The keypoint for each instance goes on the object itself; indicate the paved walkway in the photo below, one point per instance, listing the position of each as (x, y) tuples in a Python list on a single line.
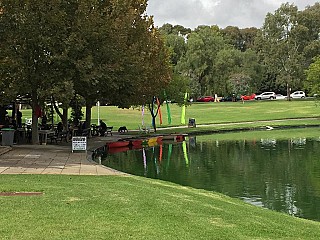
[(54, 159)]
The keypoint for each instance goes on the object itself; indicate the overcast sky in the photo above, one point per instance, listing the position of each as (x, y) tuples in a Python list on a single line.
[(192, 13)]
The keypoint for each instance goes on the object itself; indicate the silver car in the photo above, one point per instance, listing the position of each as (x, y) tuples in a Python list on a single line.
[(265, 95), (298, 94)]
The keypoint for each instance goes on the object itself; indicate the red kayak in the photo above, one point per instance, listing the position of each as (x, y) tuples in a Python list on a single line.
[(118, 144), (118, 149), (159, 140), (136, 142)]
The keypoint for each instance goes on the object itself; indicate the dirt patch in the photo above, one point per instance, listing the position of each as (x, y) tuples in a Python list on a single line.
[(8, 194)]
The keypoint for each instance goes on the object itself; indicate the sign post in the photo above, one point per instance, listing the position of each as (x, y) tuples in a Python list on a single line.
[(79, 144), (98, 105)]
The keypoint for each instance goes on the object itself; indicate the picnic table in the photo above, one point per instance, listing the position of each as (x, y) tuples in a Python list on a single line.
[(43, 135)]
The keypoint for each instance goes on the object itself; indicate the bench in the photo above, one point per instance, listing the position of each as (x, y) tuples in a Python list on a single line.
[(144, 129), (86, 132), (109, 130)]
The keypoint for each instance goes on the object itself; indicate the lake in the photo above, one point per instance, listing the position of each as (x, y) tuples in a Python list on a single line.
[(275, 171)]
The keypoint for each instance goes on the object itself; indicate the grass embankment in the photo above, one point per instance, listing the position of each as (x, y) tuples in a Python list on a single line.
[(215, 113), (88, 207), (280, 134)]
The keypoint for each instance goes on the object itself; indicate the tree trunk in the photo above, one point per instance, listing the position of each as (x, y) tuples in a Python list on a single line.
[(34, 106), (88, 115), (288, 92), (65, 118), (154, 115)]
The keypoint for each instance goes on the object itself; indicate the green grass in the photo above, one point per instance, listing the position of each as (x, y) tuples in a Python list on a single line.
[(114, 207), (257, 135), (110, 207), (208, 113)]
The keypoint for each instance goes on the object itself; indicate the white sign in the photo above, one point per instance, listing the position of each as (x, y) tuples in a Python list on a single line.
[(79, 143)]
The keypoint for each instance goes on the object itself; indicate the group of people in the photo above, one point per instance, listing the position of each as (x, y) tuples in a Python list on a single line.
[(102, 128), (17, 123)]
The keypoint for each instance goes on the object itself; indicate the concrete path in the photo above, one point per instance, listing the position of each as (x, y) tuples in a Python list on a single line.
[(54, 159)]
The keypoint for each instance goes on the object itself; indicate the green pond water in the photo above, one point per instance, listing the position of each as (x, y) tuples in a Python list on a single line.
[(275, 171)]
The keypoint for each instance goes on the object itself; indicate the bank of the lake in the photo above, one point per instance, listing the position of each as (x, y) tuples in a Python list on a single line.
[(90, 207)]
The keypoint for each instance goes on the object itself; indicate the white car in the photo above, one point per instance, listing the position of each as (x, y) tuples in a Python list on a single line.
[(265, 95), (298, 94), (281, 97)]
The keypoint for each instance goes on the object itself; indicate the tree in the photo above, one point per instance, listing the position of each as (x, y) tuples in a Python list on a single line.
[(96, 51), (30, 50), (120, 56), (279, 47), (176, 46), (309, 21), (167, 29), (235, 64), (177, 88), (203, 46), (239, 84), (313, 77)]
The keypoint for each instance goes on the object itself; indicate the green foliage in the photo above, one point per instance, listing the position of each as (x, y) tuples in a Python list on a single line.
[(241, 39), (76, 109), (87, 47), (239, 84), (167, 29), (178, 86), (177, 47), (203, 46), (309, 20), (287, 44), (313, 77)]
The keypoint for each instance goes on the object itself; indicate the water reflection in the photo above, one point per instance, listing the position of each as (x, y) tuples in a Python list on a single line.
[(282, 175)]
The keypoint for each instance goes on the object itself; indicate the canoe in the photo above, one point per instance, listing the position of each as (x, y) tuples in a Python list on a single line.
[(179, 138), (136, 142), (118, 144), (159, 139), (118, 149), (152, 140), (136, 147)]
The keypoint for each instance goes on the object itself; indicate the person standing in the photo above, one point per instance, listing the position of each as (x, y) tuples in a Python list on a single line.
[(19, 119), (102, 128)]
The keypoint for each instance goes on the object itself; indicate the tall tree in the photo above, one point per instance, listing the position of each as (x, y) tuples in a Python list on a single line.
[(32, 34), (313, 77), (309, 22), (95, 48), (203, 46), (279, 46)]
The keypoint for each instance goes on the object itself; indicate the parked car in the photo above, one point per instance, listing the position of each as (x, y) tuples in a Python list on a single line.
[(265, 95), (298, 94), (248, 97), (205, 99), (230, 99), (281, 97)]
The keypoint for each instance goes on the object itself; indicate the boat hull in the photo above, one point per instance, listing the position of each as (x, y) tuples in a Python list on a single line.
[(118, 144)]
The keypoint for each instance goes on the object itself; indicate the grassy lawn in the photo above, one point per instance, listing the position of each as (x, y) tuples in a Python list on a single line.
[(90, 207), (280, 134), (210, 113), (114, 207)]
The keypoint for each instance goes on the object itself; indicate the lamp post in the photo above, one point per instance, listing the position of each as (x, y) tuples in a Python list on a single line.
[(98, 105)]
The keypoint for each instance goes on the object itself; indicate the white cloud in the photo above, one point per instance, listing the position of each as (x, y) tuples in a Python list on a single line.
[(192, 13)]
